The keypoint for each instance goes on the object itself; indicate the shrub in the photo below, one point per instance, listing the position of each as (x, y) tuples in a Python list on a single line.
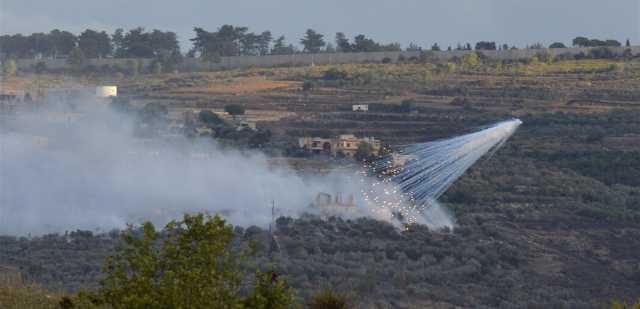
[(234, 109), (408, 106), (335, 74), (328, 299), (9, 68), (210, 118), (308, 85), (386, 60), (40, 67)]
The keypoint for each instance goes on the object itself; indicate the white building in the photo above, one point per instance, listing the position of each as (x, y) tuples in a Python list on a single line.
[(360, 107), (106, 91)]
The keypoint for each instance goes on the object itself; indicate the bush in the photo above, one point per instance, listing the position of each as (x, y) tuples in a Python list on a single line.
[(9, 67), (328, 299), (386, 60), (308, 85), (408, 106), (234, 109), (40, 67), (335, 74), (210, 118)]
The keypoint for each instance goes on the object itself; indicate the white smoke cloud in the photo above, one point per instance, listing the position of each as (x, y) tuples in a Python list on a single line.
[(92, 173)]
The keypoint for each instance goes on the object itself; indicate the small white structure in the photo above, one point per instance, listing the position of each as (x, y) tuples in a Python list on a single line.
[(106, 91), (360, 108)]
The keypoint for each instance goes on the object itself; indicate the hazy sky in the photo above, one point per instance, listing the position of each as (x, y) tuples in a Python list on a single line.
[(519, 22)]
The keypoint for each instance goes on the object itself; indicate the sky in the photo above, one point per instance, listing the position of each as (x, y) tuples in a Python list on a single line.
[(447, 22)]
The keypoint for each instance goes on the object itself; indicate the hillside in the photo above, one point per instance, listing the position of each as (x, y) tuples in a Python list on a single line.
[(550, 221)]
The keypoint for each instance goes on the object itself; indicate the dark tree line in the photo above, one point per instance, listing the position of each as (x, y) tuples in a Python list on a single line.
[(586, 42), (137, 43), (363, 44), (228, 40)]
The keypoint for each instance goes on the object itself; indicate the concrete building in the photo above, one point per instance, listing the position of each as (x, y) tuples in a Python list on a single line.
[(345, 144)]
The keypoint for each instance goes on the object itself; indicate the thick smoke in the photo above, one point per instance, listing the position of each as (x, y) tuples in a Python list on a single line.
[(63, 170)]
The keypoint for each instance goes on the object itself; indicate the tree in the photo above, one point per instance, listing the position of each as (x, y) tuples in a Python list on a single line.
[(628, 43), (484, 45), (435, 47), (117, 39), (413, 47), (264, 40), (227, 41), (9, 67), (363, 44), (77, 59), (209, 118), (234, 109), (557, 45), (63, 42), (281, 48), (342, 43), (187, 265), (364, 151), (312, 41), (94, 44), (580, 41), (612, 43)]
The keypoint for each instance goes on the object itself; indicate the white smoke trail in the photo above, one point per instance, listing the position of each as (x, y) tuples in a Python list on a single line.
[(431, 168)]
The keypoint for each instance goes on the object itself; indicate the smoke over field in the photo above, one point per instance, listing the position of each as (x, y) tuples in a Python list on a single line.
[(65, 171)]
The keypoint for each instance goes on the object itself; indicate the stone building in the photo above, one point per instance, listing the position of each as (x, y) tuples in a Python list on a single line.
[(345, 144)]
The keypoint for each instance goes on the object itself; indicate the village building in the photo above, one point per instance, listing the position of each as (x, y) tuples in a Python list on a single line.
[(360, 107), (345, 144), (329, 207)]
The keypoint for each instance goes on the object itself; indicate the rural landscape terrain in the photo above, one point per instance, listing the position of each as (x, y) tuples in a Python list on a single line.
[(551, 220)]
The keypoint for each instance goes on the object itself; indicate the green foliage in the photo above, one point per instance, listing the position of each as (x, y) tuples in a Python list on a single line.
[(234, 109), (94, 44), (9, 67), (308, 85), (408, 106), (334, 74), (470, 61), (269, 292), (209, 118), (328, 299), (16, 294), (557, 45), (364, 151), (312, 41), (188, 266)]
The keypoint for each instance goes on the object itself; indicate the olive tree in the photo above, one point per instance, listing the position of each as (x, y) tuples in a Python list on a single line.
[(187, 265)]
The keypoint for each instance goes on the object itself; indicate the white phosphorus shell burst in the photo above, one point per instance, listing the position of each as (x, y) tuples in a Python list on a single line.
[(410, 190)]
